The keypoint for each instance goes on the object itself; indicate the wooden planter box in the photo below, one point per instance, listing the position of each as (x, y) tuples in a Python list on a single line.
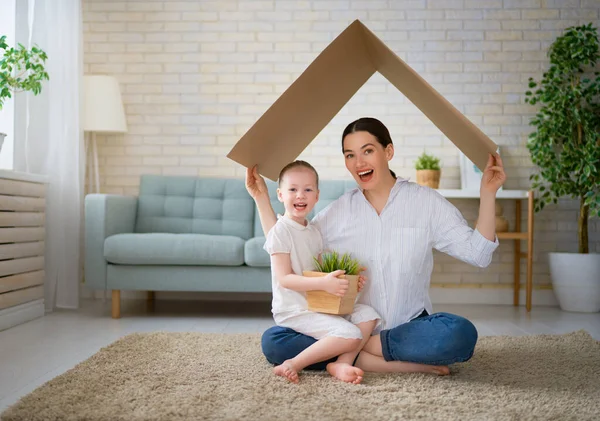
[(429, 178), (324, 302)]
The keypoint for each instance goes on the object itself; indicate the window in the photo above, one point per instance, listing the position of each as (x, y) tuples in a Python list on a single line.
[(7, 114)]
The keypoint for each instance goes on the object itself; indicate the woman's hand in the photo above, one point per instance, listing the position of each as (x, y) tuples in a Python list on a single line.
[(362, 280), (493, 175), (255, 184)]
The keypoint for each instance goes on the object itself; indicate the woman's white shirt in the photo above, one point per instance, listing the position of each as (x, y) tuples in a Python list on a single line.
[(397, 246)]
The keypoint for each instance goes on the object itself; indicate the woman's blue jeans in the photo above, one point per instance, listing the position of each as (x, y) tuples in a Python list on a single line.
[(436, 339)]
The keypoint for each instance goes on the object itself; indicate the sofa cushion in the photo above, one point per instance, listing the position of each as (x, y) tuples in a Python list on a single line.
[(254, 253), (192, 205), (174, 249)]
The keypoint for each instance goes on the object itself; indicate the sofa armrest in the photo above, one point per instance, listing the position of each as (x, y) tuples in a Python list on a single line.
[(105, 215)]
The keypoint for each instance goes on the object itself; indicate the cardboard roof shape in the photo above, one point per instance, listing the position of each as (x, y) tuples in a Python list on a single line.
[(327, 84)]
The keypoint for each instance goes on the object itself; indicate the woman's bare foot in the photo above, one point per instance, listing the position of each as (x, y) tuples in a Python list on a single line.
[(287, 370), (440, 370), (376, 364), (345, 372)]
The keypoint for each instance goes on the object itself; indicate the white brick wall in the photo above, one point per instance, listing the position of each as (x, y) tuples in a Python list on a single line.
[(195, 75)]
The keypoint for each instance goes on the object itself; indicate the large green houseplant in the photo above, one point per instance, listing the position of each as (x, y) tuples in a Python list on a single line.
[(565, 144), (21, 70)]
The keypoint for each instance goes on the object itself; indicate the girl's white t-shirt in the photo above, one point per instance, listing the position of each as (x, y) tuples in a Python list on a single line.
[(303, 243)]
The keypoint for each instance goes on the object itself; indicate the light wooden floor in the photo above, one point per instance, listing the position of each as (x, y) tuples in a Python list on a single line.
[(35, 352)]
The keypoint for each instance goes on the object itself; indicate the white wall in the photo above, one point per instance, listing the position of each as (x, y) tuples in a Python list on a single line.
[(197, 74)]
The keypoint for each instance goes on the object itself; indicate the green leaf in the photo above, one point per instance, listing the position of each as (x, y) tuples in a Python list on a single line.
[(21, 70), (427, 162), (331, 262)]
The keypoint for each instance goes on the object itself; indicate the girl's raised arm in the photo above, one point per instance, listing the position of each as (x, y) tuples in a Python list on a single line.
[(257, 188)]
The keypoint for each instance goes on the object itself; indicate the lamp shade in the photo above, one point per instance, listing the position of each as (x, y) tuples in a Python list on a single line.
[(102, 105)]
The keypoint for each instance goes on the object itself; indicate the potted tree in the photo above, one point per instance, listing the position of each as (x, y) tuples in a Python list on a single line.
[(324, 302), (20, 70), (428, 170), (565, 146)]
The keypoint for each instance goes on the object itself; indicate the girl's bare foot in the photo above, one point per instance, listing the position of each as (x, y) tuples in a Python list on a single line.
[(345, 372), (287, 370)]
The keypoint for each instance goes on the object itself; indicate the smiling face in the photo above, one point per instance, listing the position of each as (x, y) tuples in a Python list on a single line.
[(366, 159), (298, 192)]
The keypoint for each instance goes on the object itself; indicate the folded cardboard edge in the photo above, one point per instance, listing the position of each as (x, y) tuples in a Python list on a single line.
[(284, 131), (467, 137), (307, 106)]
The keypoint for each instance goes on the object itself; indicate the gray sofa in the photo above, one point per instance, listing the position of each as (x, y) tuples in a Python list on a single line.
[(182, 234)]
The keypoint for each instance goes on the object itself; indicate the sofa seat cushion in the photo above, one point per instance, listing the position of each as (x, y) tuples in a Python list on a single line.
[(174, 249), (255, 255)]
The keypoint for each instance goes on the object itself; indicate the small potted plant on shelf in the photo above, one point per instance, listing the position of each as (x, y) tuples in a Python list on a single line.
[(565, 147), (324, 302), (428, 171), (20, 70)]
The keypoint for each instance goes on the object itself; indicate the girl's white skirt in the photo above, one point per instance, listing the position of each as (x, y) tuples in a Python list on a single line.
[(320, 325)]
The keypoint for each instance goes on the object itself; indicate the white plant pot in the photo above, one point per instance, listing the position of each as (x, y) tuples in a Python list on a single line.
[(2, 136), (576, 281)]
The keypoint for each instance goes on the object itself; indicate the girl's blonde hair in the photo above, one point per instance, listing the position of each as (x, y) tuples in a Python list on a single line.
[(296, 164)]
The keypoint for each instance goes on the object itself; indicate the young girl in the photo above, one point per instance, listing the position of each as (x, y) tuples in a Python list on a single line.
[(292, 243)]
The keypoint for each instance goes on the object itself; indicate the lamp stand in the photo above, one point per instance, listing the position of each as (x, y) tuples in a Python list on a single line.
[(96, 171), (92, 154)]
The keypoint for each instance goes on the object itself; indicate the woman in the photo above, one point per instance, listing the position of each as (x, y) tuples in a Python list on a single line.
[(392, 226)]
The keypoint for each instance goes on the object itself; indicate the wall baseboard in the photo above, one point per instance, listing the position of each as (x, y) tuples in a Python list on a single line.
[(491, 296), (22, 313), (439, 295)]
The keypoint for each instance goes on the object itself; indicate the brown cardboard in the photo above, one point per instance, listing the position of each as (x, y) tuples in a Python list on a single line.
[(328, 83)]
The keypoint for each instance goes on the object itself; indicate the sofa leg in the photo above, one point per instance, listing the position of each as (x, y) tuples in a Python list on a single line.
[(150, 301), (116, 304)]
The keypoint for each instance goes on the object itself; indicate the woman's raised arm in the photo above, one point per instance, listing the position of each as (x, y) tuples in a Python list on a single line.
[(257, 188), (493, 178), (452, 234)]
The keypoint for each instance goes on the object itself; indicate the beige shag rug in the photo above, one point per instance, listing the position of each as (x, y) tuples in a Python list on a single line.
[(198, 376)]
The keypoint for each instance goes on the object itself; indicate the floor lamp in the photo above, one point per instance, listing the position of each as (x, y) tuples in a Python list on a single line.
[(103, 112)]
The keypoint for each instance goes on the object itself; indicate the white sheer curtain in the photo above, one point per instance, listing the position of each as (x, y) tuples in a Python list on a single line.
[(53, 142)]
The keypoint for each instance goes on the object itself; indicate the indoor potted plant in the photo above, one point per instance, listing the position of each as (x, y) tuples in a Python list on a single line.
[(565, 146), (428, 170), (324, 302), (20, 70)]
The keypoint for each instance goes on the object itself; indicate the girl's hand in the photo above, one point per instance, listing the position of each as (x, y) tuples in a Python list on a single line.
[(255, 184), (493, 175), (334, 285)]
